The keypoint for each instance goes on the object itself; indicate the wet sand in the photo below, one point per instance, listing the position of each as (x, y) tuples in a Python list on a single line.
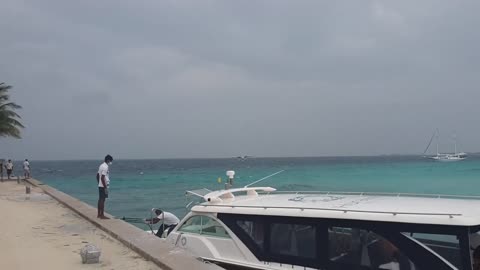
[(36, 232)]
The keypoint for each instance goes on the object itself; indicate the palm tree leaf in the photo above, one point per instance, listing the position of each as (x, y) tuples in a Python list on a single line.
[(9, 124), (4, 86), (10, 132), (10, 105), (9, 114)]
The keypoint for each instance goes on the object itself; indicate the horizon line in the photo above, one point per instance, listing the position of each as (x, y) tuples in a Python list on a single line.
[(236, 157)]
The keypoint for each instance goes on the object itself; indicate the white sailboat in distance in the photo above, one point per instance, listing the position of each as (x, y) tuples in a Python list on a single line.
[(456, 156)]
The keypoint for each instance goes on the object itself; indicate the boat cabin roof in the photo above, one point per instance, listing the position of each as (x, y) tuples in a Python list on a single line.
[(386, 207)]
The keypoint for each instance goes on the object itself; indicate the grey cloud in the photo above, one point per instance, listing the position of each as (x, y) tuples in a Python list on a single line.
[(86, 99), (222, 78)]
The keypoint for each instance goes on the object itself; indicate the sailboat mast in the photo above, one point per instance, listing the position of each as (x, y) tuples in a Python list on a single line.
[(455, 145)]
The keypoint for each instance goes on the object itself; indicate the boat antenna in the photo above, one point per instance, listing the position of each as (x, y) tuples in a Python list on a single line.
[(264, 178)]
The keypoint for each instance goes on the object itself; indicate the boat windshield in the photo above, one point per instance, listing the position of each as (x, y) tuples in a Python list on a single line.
[(447, 246)]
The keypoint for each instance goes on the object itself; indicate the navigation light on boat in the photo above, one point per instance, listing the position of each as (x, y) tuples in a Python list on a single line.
[(214, 200)]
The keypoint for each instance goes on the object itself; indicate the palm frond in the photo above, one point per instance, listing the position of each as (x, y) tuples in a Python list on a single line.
[(10, 105), (9, 120), (13, 123), (4, 86), (10, 132), (9, 114)]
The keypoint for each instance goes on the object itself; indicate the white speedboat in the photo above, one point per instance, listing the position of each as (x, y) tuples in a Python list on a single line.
[(259, 228)]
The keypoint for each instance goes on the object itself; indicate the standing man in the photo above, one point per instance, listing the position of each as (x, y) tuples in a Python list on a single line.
[(103, 180), (26, 169), (9, 167), (1, 169)]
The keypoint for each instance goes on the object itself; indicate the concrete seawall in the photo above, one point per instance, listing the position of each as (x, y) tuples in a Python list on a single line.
[(148, 246)]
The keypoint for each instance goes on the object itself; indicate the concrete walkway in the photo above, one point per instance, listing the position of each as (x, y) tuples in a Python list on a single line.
[(148, 246), (37, 232)]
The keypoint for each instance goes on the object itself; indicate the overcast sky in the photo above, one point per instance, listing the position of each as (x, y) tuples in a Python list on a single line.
[(170, 79)]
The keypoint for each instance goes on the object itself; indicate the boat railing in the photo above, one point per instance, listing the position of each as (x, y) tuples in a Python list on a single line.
[(394, 213), (351, 193), (390, 194)]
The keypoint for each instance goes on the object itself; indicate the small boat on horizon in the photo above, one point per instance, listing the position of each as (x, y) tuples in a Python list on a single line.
[(243, 157)]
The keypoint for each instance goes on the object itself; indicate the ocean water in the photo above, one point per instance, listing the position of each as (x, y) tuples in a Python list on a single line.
[(139, 185)]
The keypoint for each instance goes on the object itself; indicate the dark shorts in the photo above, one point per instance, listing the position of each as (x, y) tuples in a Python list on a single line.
[(164, 227), (9, 172), (101, 193)]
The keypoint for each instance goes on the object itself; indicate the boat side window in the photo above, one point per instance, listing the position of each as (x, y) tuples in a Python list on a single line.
[(358, 247), (446, 246), (475, 249), (284, 240), (255, 230), (203, 225), (293, 240)]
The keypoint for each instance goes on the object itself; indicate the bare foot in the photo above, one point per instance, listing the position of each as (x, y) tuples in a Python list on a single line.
[(104, 217)]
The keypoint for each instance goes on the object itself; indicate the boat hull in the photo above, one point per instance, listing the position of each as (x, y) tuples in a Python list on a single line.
[(448, 159)]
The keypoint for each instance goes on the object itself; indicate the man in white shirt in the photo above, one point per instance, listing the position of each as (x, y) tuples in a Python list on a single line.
[(103, 180), (169, 221), (9, 167), (26, 169)]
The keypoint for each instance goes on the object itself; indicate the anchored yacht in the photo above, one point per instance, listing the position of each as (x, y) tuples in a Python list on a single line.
[(450, 157), (455, 156)]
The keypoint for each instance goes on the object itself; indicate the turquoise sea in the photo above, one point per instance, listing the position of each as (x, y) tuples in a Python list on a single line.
[(139, 185)]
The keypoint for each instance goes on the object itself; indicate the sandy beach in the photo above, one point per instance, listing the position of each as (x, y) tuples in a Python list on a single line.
[(39, 233)]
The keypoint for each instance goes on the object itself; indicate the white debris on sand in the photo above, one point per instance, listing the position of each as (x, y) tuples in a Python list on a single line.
[(90, 254)]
